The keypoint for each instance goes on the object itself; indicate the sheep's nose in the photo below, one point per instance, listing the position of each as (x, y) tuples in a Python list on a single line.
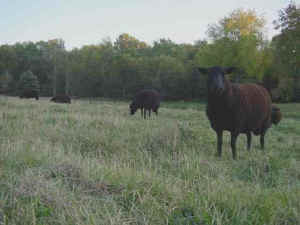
[(219, 90), (213, 89)]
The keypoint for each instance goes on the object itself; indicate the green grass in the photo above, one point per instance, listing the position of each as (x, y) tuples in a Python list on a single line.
[(92, 163)]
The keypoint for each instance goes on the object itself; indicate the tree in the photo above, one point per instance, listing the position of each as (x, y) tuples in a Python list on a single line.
[(57, 55), (287, 43), (236, 40), (28, 82), (5, 80), (129, 44), (284, 73), (238, 24)]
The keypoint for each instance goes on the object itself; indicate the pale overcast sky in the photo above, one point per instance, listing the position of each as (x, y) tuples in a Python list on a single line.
[(82, 22)]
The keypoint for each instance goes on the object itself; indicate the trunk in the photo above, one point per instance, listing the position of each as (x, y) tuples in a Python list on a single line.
[(67, 78), (67, 85), (124, 92), (54, 91)]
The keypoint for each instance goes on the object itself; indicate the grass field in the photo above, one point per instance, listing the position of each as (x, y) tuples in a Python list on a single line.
[(92, 163)]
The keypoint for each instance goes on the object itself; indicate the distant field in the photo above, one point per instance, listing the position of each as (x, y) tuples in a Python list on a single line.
[(92, 163)]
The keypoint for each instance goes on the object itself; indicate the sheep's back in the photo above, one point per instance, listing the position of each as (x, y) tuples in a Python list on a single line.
[(254, 107), (246, 107), (147, 99)]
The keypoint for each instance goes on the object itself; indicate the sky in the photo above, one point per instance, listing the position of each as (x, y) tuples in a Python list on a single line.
[(85, 22)]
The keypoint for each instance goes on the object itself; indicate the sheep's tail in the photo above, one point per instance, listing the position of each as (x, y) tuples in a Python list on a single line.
[(276, 115)]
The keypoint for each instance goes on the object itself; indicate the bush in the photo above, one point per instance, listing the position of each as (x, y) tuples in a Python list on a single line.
[(28, 82), (286, 91), (5, 80)]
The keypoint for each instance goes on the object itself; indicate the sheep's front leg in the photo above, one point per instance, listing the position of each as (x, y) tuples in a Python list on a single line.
[(234, 136), (249, 141), (262, 140), (220, 141)]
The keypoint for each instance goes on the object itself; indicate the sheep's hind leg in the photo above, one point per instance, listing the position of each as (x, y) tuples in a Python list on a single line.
[(156, 111), (262, 140), (249, 141), (220, 141), (262, 137), (234, 136)]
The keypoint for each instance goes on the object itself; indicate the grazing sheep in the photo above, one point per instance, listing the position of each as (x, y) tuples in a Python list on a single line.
[(237, 108), (61, 99), (30, 94), (145, 100)]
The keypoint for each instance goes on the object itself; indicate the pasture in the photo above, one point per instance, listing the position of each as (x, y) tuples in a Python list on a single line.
[(90, 162)]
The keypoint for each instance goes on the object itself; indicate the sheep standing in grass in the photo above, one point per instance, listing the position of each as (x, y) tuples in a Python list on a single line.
[(145, 100), (30, 94), (237, 108), (61, 99)]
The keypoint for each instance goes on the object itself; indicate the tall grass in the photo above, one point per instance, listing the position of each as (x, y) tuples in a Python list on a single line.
[(92, 163)]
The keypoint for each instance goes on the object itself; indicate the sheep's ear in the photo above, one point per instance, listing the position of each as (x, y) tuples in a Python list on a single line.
[(228, 70), (203, 70)]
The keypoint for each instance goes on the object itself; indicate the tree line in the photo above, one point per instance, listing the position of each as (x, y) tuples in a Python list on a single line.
[(119, 68)]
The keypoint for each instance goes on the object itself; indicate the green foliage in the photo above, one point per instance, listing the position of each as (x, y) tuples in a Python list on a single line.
[(240, 23), (286, 90), (286, 53), (119, 68), (5, 80), (185, 216), (28, 82), (287, 43), (237, 40), (127, 43)]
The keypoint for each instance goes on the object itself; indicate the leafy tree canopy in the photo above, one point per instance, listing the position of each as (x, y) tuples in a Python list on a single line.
[(28, 81), (238, 24), (287, 43)]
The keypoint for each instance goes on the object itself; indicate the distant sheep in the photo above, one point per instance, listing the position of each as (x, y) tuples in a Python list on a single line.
[(61, 99), (237, 108), (30, 94), (145, 100)]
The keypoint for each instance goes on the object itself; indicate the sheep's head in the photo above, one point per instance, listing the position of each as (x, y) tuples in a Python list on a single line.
[(133, 108), (216, 78)]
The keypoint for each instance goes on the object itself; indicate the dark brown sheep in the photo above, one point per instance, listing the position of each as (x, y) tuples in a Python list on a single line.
[(237, 108), (61, 99), (145, 100), (30, 94)]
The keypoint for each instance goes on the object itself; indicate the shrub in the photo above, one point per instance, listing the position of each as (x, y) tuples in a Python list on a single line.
[(286, 90), (28, 82)]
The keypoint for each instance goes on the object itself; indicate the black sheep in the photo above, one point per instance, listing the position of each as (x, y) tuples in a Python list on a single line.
[(145, 100), (61, 99), (237, 108), (30, 94)]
